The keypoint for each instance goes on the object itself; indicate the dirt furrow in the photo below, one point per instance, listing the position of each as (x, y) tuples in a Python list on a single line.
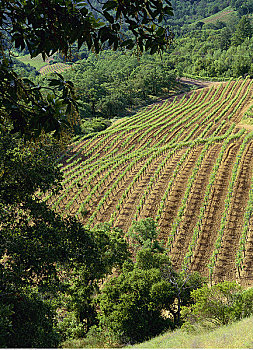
[(128, 209), (181, 138), (202, 125), (225, 266), (196, 197), (247, 272), (153, 200), (244, 106), (111, 202), (217, 123), (176, 194), (161, 134), (211, 224)]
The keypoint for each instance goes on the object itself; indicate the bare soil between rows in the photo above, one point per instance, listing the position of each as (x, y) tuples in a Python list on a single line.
[(167, 130)]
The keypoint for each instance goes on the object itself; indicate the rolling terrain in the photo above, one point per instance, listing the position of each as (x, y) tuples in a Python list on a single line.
[(44, 67), (186, 162)]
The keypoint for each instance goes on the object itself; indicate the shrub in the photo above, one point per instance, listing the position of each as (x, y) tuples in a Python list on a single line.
[(222, 303), (146, 298), (130, 305)]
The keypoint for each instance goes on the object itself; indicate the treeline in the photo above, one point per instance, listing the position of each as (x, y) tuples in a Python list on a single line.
[(186, 12), (219, 50), (212, 49), (113, 83)]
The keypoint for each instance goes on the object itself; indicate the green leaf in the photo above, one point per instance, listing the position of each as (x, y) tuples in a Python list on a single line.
[(160, 31), (109, 17), (110, 5), (54, 82)]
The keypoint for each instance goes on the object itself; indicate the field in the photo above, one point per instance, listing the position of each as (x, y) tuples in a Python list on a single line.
[(187, 163), (36, 62), (54, 68), (43, 66)]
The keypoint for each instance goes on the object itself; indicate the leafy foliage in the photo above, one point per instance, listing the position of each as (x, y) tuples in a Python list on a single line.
[(131, 304), (37, 245), (86, 24), (144, 300), (146, 297), (112, 83), (222, 303), (144, 233), (27, 319), (41, 27)]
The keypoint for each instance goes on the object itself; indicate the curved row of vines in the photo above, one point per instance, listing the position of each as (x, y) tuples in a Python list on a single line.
[(187, 164)]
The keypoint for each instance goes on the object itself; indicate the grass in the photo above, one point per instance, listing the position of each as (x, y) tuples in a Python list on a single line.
[(248, 121), (236, 335), (43, 66), (36, 62)]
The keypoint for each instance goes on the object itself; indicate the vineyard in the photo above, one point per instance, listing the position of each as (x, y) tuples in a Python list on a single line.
[(223, 15), (54, 68), (187, 163)]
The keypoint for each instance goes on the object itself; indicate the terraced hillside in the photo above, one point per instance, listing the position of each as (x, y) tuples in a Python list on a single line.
[(187, 164)]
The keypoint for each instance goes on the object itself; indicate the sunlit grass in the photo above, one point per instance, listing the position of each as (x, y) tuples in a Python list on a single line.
[(43, 66), (36, 62), (248, 121), (248, 116), (237, 335)]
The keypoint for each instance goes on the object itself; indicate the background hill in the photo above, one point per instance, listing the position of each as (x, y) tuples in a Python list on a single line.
[(212, 39)]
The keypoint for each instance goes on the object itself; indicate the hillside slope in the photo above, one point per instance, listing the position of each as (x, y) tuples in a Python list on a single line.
[(187, 164), (238, 335)]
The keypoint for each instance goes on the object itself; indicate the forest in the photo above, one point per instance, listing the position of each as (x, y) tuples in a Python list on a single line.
[(119, 183)]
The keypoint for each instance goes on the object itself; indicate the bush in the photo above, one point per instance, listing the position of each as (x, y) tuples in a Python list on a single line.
[(244, 304), (222, 303), (94, 125), (95, 338), (131, 305), (146, 298), (70, 327)]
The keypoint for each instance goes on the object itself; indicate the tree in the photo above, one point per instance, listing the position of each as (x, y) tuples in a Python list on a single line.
[(243, 7), (146, 298), (225, 38), (144, 234), (39, 249), (40, 26), (27, 320), (38, 246), (90, 84), (243, 31)]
